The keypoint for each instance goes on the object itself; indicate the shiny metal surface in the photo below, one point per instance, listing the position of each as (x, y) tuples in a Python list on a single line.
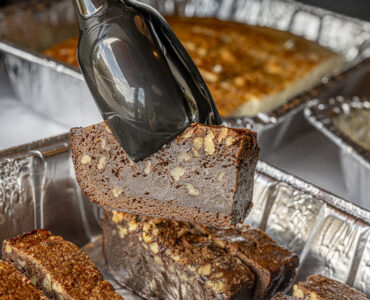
[(329, 116), (144, 83), (331, 236), (37, 78)]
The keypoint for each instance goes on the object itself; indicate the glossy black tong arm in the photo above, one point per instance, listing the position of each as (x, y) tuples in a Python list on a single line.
[(145, 84)]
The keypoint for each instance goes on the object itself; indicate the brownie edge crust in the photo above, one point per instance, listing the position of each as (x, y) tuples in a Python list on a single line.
[(205, 175)]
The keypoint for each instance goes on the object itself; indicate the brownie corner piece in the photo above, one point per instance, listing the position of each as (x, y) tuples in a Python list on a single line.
[(57, 267), (14, 285), (205, 175), (320, 287)]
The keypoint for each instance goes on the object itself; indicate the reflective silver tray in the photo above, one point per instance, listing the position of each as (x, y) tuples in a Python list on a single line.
[(38, 189), (49, 86), (332, 117)]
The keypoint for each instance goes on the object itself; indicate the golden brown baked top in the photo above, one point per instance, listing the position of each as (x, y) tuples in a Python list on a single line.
[(13, 285), (239, 62), (63, 262)]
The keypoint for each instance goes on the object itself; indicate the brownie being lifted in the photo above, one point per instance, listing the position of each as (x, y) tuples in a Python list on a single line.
[(168, 260), (205, 175), (58, 267), (14, 285)]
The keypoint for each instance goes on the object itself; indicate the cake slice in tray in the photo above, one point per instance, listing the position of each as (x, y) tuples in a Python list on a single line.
[(172, 252), (169, 260), (205, 175), (14, 285), (319, 287), (57, 267), (275, 267)]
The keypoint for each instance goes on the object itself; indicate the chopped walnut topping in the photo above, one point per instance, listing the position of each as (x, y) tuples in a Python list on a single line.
[(217, 286), (223, 134), (229, 141), (122, 231), (86, 159), (132, 226), (103, 144), (117, 217), (188, 134), (185, 157), (195, 152), (205, 270), (154, 248), (158, 260), (209, 146), (198, 143), (8, 249)]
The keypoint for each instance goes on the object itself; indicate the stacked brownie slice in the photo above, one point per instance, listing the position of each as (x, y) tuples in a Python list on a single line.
[(56, 267)]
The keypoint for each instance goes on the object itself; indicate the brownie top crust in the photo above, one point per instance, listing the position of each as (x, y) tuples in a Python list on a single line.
[(13, 285), (320, 287), (206, 174), (65, 266)]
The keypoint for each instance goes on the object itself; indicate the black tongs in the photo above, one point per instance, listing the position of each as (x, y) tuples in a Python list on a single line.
[(145, 84)]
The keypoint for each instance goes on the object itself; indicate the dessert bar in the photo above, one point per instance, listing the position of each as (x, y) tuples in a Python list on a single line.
[(14, 285), (57, 267), (205, 175), (167, 259)]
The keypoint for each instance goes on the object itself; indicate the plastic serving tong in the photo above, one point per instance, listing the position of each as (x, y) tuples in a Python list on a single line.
[(145, 84)]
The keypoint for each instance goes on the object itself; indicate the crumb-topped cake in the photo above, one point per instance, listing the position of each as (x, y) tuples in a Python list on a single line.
[(205, 175), (14, 285), (248, 69), (57, 267)]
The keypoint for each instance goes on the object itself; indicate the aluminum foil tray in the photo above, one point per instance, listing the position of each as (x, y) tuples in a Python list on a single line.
[(27, 28), (38, 189), (346, 122)]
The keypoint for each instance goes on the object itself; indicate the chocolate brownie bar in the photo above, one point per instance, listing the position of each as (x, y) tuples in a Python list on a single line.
[(167, 259), (14, 285), (319, 287), (58, 267), (274, 266), (205, 175), (281, 296)]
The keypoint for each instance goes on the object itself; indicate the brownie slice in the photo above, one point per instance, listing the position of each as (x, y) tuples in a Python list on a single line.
[(281, 296), (167, 259), (205, 175), (275, 267), (319, 287), (58, 267), (14, 285)]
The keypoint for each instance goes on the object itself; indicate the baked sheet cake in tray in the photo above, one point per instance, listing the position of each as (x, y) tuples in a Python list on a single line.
[(38, 189), (27, 30)]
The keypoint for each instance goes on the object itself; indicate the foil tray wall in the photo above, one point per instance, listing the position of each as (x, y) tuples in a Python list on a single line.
[(50, 87), (355, 159), (332, 236)]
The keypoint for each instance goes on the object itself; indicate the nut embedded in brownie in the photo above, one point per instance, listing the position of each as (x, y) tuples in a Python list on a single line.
[(205, 175), (14, 285), (57, 267), (166, 259), (275, 267), (319, 287)]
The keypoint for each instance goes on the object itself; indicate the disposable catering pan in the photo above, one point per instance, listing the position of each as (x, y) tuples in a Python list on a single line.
[(26, 29), (38, 189), (346, 122)]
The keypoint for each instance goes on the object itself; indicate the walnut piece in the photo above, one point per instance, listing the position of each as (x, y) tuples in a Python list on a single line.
[(101, 162), (209, 146), (205, 270), (192, 190), (148, 166), (116, 192), (8, 249), (122, 231), (221, 176), (198, 143), (154, 248), (185, 157), (117, 217), (177, 173), (223, 134), (86, 159), (229, 141)]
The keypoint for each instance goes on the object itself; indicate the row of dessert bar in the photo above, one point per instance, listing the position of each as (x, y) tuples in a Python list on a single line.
[(160, 259), (167, 259)]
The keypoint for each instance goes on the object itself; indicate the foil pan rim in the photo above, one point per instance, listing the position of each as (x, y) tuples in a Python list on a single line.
[(57, 144), (320, 113)]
